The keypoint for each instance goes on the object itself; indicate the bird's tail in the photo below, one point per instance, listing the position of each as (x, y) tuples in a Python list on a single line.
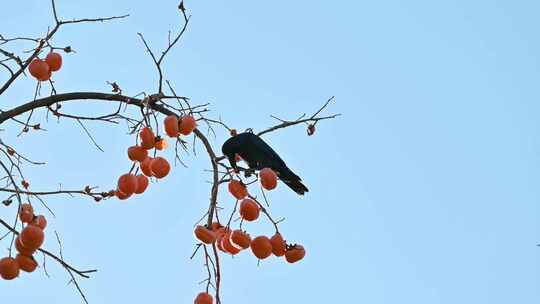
[(297, 186)]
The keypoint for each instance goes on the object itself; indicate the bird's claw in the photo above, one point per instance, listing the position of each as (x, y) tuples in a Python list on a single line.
[(249, 172)]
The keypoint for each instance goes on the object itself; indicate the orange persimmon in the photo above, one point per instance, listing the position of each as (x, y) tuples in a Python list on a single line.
[(23, 249), (278, 244), (237, 189), (142, 183), (204, 234), (26, 207), (186, 124), (215, 226), (26, 213), (219, 243), (121, 195), (227, 245), (160, 167), (137, 153), (127, 183), (171, 125), (203, 298), (268, 178), (9, 268), (295, 253), (39, 69), (26, 263), (261, 247), (145, 166), (40, 222), (161, 144), (249, 210), (32, 237), (54, 60), (240, 239), (148, 139)]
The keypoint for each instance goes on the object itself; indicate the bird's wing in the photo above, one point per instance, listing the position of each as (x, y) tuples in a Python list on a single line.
[(258, 154), (267, 155), (269, 158)]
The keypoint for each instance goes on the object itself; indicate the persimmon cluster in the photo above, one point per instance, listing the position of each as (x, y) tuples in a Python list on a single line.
[(27, 243), (157, 166), (232, 242), (42, 69)]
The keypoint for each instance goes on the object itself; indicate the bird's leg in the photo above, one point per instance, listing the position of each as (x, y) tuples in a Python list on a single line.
[(234, 166), (249, 172)]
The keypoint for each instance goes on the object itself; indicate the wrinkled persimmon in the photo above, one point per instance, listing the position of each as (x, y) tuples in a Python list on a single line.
[(310, 129), (295, 253)]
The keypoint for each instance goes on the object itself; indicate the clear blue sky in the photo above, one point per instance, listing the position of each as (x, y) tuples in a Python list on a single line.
[(425, 191)]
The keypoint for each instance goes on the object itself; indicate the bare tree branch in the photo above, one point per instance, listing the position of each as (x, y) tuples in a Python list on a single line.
[(82, 273)]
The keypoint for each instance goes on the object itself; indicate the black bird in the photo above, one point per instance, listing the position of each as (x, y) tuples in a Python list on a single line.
[(258, 155)]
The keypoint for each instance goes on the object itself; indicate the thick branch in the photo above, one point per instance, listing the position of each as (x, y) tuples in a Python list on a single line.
[(48, 101), (77, 96)]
